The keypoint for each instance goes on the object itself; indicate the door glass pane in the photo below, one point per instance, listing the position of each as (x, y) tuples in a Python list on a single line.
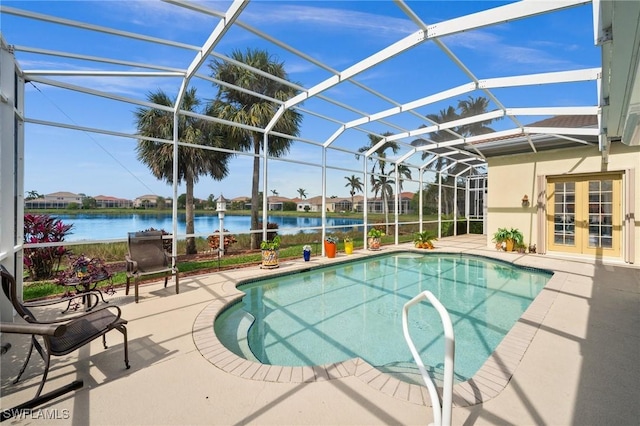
[(600, 213), (564, 218)]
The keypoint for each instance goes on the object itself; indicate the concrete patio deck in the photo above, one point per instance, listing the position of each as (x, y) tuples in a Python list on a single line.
[(577, 365)]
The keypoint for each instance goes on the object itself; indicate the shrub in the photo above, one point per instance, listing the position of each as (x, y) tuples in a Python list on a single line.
[(214, 240), (41, 262), (289, 206)]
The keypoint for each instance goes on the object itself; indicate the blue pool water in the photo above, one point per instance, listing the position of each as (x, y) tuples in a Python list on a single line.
[(355, 310)]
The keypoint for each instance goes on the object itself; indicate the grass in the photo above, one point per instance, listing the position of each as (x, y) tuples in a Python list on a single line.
[(238, 256)]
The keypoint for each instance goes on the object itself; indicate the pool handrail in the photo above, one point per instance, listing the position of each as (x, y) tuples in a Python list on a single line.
[(441, 410)]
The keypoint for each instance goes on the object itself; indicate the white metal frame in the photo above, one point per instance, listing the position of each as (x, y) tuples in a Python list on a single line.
[(459, 150)]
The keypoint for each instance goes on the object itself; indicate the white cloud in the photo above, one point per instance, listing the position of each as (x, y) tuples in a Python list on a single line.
[(338, 19), (500, 53)]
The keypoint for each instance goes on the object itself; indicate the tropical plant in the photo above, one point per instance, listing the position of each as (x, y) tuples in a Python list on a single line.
[(273, 244), (244, 107), (274, 192), (41, 262), (424, 239), (375, 233), (500, 236), (355, 185), (192, 162), (516, 235), (302, 192)]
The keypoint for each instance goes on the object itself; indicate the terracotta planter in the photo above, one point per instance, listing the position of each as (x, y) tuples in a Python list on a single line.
[(269, 259), (348, 247), (373, 243), (330, 249)]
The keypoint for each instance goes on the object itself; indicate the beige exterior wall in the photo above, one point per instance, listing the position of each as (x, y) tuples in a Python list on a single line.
[(512, 177)]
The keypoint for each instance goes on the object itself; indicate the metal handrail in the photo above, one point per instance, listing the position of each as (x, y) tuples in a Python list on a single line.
[(441, 410)]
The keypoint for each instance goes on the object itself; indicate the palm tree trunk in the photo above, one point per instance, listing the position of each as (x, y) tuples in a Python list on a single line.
[(190, 228), (255, 192), (386, 211)]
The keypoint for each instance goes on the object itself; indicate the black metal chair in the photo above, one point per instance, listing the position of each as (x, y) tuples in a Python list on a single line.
[(147, 256), (45, 330), (76, 332)]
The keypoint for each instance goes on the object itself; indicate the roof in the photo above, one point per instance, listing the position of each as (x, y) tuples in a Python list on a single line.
[(526, 140)]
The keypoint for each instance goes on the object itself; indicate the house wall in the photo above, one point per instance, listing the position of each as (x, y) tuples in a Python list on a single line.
[(511, 177)]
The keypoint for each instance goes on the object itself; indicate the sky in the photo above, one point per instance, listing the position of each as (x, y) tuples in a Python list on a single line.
[(338, 34)]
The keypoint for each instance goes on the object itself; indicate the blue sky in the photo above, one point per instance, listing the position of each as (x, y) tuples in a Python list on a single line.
[(338, 34)]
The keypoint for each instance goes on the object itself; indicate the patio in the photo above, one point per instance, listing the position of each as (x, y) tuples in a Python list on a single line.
[(580, 367)]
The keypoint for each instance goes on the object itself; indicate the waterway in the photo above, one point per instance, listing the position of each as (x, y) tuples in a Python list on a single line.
[(108, 226)]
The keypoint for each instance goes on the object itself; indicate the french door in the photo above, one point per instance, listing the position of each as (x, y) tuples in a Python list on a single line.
[(584, 214)]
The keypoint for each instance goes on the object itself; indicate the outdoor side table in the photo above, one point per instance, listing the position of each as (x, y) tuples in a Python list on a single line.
[(85, 288)]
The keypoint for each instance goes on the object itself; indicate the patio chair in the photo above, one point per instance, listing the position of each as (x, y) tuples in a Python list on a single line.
[(45, 330), (76, 332), (147, 256)]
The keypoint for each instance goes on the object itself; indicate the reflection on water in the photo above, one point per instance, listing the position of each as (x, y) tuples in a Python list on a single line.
[(104, 227)]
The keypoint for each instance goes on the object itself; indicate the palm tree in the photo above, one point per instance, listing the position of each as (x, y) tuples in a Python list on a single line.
[(404, 172), (32, 195), (245, 108), (356, 185), (382, 185), (466, 108), (302, 192), (192, 162), (274, 192), (469, 108)]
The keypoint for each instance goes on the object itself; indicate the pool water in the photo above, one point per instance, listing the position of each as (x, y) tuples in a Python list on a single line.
[(354, 309)]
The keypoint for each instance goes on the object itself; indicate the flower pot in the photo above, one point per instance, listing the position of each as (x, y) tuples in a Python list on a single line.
[(348, 247), (510, 244), (269, 259), (330, 249), (306, 254), (373, 243)]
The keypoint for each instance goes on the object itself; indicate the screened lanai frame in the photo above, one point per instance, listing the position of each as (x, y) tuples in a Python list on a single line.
[(460, 151)]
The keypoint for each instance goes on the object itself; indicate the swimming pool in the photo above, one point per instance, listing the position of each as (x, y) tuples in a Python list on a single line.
[(354, 310)]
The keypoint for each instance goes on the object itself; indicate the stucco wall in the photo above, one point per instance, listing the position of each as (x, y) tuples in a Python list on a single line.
[(511, 177)]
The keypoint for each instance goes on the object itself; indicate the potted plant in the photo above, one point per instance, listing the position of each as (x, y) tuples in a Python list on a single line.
[(330, 246), (373, 242), (500, 237), (424, 239), (270, 252), (306, 252), (348, 245), (514, 239)]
